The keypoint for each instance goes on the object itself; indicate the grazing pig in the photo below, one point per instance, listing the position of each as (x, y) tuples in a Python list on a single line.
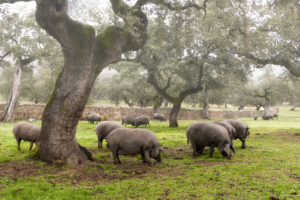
[(242, 130), (255, 116), (142, 120), (92, 117), (230, 129), (160, 117), (268, 116), (27, 132), (202, 134), (103, 129), (125, 141), (127, 119), (275, 115)]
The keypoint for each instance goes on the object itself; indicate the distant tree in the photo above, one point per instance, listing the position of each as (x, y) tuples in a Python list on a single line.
[(179, 66), (26, 42)]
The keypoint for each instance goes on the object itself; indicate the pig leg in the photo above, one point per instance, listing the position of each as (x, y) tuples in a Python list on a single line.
[(115, 157), (143, 157), (100, 140), (201, 150), (243, 143), (118, 158), (194, 146), (146, 153), (18, 142), (99, 143), (31, 143), (212, 149)]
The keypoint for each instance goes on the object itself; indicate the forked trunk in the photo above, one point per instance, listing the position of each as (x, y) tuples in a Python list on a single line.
[(206, 104), (13, 98), (173, 114), (85, 56)]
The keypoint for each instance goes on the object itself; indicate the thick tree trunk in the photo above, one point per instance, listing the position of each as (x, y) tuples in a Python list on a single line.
[(173, 115), (13, 98), (206, 104), (85, 56)]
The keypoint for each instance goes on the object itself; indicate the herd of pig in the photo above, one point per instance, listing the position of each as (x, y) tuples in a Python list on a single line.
[(128, 141)]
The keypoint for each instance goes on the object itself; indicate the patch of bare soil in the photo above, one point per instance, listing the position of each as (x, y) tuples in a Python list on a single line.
[(93, 172), (84, 173)]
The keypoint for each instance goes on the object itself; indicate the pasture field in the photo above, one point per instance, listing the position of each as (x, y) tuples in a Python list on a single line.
[(269, 168)]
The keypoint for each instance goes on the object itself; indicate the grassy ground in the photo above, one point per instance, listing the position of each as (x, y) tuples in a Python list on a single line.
[(268, 168)]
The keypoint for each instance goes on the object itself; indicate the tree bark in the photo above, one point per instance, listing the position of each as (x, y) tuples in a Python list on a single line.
[(206, 104), (13, 98), (173, 114), (85, 56)]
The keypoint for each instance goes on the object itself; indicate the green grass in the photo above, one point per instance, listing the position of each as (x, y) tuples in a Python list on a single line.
[(268, 167)]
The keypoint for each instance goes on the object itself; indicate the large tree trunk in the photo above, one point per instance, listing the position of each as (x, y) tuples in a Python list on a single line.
[(85, 56), (206, 104), (13, 98), (173, 115)]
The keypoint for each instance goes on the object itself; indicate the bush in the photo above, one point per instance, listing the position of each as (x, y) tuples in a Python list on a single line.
[(103, 118)]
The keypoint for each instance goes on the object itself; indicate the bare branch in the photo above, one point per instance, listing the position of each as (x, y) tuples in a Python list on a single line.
[(276, 60), (7, 53)]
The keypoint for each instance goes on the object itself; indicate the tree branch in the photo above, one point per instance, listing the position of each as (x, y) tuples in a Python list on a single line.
[(295, 70), (1, 57), (27, 61), (176, 7)]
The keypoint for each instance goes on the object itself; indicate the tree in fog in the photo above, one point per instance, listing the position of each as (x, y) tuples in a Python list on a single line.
[(180, 66), (86, 53), (25, 42)]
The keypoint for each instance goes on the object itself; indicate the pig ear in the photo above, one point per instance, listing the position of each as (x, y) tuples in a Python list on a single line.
[(227, 150)]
